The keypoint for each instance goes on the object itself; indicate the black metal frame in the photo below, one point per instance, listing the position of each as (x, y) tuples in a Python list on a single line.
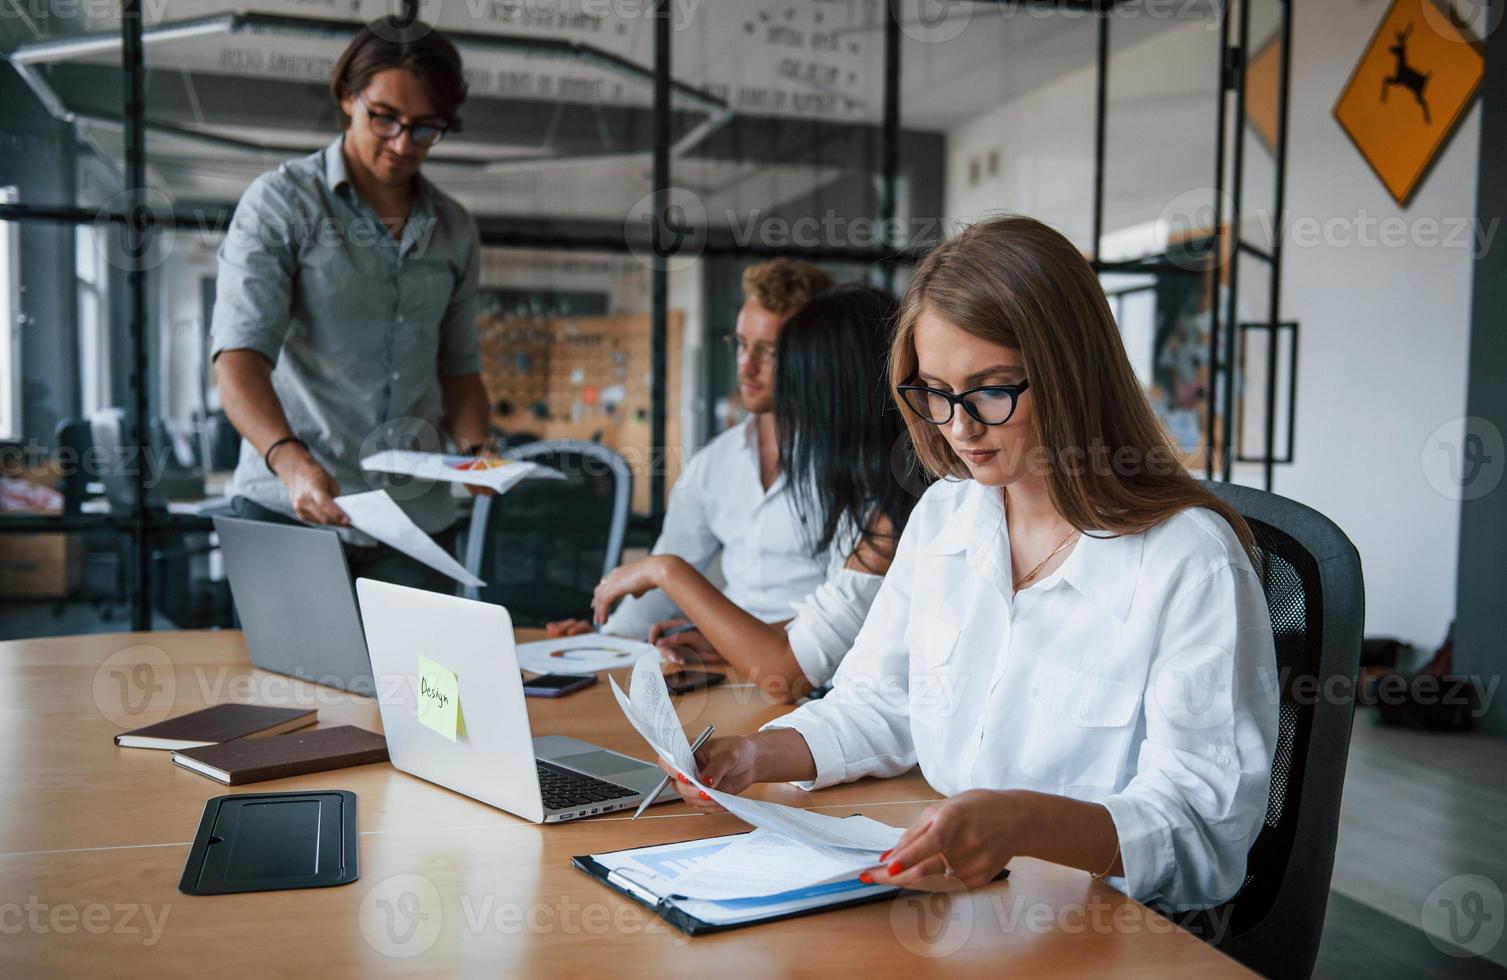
[(139, 222), (1274, 330)]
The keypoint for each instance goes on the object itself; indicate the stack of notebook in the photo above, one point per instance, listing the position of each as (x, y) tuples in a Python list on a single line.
[(247, 743)]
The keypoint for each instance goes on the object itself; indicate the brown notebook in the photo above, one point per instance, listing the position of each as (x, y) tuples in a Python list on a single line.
[(253, 760), (221, 723)]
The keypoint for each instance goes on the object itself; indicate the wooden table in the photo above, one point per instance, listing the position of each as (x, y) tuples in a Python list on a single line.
[(93, 840)]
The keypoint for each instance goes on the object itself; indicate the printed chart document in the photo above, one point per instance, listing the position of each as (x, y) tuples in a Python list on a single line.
[(662, 874), (584, 654), (766, 863), (482, 471), (379, 515), (652, 714)]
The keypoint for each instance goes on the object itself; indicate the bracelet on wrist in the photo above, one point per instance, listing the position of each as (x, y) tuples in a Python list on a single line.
[(267, 456)]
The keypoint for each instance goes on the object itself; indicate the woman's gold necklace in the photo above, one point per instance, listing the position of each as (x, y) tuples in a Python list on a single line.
[(1041, 564)]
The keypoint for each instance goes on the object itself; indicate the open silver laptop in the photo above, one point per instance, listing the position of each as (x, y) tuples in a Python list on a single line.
[(292, 591), (494, 758)]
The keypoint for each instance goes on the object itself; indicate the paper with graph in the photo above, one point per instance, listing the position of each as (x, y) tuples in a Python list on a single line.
[(652, 714)]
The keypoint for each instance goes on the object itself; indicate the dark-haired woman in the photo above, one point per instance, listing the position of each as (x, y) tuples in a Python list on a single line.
[(838, 431), (1072, 641)]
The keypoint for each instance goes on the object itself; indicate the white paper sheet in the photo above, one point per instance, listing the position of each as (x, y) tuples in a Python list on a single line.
[(379, 515), (585, 654), (766, 863), (652, 714), (498, 474)]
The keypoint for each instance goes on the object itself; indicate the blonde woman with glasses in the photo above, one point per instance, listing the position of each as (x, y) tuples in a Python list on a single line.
[(1072, 642)]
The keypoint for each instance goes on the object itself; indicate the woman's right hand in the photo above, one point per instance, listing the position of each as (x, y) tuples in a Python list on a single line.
[(726, 764)]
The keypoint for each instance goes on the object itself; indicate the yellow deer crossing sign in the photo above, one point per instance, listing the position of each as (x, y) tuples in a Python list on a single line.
[(1410, 90)]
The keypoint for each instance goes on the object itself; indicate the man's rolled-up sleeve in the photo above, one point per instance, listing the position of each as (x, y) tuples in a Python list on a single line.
[(460, 345), (258, 263)]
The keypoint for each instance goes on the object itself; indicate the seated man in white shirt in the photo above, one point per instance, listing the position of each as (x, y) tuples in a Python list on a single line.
[(732, 498)]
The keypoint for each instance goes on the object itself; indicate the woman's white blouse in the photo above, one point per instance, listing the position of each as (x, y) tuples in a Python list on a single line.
[(828, 620), (1140, 674)]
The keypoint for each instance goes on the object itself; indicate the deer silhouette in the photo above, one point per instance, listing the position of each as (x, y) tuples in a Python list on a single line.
[(1407, 76)]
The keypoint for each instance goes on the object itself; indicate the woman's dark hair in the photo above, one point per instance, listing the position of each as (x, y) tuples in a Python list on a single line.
[(838, 426), (414, 47)]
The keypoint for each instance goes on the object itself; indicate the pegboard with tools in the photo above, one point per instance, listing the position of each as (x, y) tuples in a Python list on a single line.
[(583, 378)]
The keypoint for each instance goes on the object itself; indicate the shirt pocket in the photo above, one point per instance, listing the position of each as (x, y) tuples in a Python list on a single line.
[(1080, 726)]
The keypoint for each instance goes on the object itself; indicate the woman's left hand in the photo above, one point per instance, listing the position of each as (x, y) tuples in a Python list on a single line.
[(970, 836), (634, 578)]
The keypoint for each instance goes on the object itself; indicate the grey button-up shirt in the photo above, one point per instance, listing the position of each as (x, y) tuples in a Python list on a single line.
[(360, 328)]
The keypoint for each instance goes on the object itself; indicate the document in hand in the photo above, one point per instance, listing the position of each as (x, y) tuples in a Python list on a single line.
[(652, 714), (379, 515), (482, 471)]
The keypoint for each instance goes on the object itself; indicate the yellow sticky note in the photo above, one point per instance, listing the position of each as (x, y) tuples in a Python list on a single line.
[(439, 698)]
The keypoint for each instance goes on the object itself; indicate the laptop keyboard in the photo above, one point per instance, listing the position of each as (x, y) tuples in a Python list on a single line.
[(564, 788)]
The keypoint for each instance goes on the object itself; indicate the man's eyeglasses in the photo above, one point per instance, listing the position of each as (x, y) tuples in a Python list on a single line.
[(760, 351), (389, 127), (991, 404)]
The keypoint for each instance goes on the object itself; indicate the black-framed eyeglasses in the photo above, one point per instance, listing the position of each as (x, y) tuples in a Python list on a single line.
[(760, 351), (390, 127), (990, 404)]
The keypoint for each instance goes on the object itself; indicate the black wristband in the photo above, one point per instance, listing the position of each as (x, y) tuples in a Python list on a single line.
[(267, 456)]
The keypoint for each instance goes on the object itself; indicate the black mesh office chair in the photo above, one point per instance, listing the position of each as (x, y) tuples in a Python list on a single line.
[(1316, 597), (543, 546)]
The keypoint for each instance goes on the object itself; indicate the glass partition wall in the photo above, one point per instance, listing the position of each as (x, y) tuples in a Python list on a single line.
[(625, 162)]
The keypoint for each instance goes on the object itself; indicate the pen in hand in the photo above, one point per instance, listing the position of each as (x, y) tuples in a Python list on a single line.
[(706, 733)]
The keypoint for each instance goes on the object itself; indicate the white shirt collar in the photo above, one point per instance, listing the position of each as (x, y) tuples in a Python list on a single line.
[(1104, 568)]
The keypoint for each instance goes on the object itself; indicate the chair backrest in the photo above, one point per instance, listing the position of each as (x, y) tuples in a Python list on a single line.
[(1316, 597), (76, 437), (543, 546)]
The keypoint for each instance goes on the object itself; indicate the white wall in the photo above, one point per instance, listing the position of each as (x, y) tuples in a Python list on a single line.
[(1384, 329), (1385, 335)]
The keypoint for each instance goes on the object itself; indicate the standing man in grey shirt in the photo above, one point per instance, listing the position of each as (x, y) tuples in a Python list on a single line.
[(345, 311)]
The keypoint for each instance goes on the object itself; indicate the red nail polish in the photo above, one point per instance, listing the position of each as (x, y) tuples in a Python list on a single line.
[(886, 854), (703, 795), (680, 778), (711, 782), (866, 878), (895, 868)]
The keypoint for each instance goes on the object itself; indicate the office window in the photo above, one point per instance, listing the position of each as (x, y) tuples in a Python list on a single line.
[(93, 320), (10, 326)]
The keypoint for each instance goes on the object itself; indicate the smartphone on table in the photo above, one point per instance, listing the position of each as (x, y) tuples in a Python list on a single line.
[(685, 681), (556, 685)]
